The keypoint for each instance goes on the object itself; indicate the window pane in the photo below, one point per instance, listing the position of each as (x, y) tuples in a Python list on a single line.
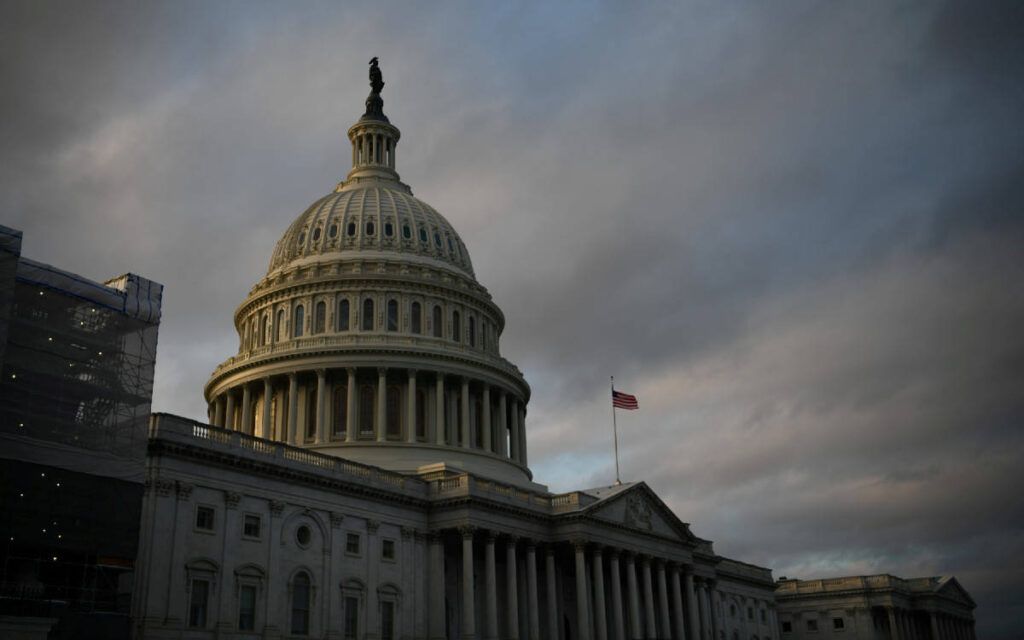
[(320, 318), (351, 618), (300, 318), (366, 409), (456, 326), (416, 318), (392, 315), (199, 603), (387, 620), (311, 413), (394, 409), (343, 315), (438, 322), (300, 605), (340, 410), (247, 608), (368, 315)]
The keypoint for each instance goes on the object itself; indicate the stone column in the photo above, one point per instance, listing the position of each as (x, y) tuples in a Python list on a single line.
[(351, 428), (503, 423), (439, 409), (490, 590), (218, 412), (582, 610), (552, 592), (380, 421), (618, 631), (486, 427), (468, 592), (465, 437), (435, 597), (894, 630), (532, 601), (666, 624), (635, 629), (713, 602), (600, 605), (678, 621), (293, 408), (410, 408), (511, 590), (321, 406), (521, 415), (229, 413), (691, 604), (513, 440), (246, 426), (648, 598), (705, 622), (267, 427)]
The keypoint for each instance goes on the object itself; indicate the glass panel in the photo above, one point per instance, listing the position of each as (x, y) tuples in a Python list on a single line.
[(351, 618), (199, 603), (343, 315), (368, 314), (300, 605), (340, 410), (438, 322), (392, 315), (320, 318), (416, 319), (387, 620), (247, 608), (311, 413), (300, 318)]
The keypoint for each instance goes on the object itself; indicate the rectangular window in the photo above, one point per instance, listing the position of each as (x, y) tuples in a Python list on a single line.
[(351, 618), (204, 518), (251, 526), (838, 624), (352, 543), (787, 626), (764, 616), (387, 549), (198, 604), (750, 613), (247, 608), (812, 625), (387, 620)]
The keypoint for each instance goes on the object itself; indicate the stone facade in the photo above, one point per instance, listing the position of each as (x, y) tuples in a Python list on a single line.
[(879, 607)]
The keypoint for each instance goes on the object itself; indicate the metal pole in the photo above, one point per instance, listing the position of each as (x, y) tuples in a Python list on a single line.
[(615, 432)]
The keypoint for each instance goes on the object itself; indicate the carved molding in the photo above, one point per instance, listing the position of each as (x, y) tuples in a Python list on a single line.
[(231, 499), (276, 508), (184, 491)]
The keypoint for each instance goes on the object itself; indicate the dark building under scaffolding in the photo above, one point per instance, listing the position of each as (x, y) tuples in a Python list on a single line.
[(76, 382)]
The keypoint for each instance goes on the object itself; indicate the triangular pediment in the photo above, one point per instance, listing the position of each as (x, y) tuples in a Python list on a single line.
[(638, 507), (950, 588)]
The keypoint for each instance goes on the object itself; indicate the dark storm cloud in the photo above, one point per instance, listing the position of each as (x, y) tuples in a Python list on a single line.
[(794, 230)]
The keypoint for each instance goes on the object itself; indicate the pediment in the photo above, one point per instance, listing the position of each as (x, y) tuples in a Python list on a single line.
[(950, 588), (640, 509)]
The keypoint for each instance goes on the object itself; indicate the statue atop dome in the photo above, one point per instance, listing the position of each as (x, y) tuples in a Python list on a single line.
[(374, 103)]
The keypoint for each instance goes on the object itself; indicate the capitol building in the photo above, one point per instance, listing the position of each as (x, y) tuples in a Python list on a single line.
[(364, 471)]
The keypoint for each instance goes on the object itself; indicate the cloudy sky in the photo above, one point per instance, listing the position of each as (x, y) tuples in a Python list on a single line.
[(794, 230)]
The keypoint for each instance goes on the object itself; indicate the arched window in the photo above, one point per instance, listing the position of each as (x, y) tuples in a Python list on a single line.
[(300, 320), (421, 414), (416, 318), (263, 330), (340, 422), (366, 409), (300, 604), (394, 413), (320, 317), (438, 321), (472, 331), (392, 315), (343, 314), (311, 414), (456, 326), (485, 327), (281, 334), (368, 314)]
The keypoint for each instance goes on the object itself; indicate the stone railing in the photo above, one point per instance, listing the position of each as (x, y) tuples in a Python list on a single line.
[(172, 428), (849, 583), (744, 570)]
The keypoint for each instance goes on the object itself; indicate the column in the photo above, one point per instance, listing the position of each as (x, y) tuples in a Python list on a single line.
[(678, 621), (522, 433), (618, 630), (582, 610), (648, 598), (229, 414), (666, 624), (267, 427), (490, 590), (380, 421), (218, 412), (485, 419), (410, 407), (702, 597), (503, 424), (468, 593), (552, 592), (934, 624), (321, 406), (532, 604), (894, 630), (246, 426), (435, 598), (513, 440), (293, 408), (691, 602), (439, 409), (635, 628), (351, 428), (600, 605), (465, 438), (511, 590), (713, 588)]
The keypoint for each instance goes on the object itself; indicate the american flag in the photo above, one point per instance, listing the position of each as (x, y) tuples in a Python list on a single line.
[(624, 400)]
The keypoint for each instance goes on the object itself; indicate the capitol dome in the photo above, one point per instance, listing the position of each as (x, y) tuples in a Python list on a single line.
[(369, 337)]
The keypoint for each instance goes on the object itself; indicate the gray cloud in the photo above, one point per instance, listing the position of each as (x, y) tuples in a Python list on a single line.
[(793, 230)]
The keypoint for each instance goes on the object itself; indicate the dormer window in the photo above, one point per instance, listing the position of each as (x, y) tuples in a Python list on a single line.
[(370, 228), (351, 229), (389, 229)]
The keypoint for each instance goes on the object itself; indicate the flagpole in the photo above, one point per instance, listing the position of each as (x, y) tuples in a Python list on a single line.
[(615, 432)]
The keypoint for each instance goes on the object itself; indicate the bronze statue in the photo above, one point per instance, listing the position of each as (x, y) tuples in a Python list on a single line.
[(374, 103)]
